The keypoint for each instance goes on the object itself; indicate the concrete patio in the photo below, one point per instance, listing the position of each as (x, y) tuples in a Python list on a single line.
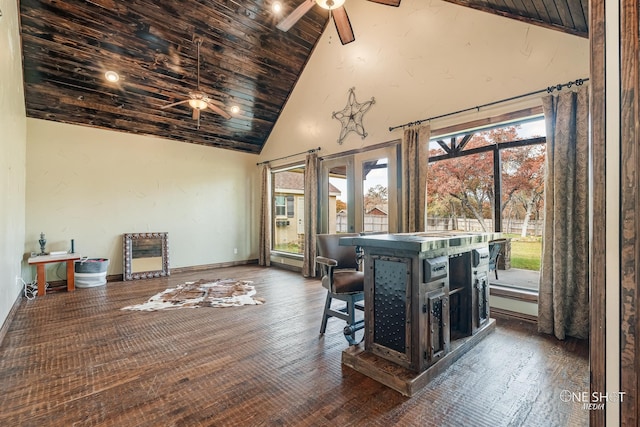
[(516, 278)]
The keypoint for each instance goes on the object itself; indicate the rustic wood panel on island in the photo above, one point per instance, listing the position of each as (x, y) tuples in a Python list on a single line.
[(77, 359)]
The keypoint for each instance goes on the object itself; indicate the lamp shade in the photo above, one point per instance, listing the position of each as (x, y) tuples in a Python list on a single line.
[(198, 104), (330, 4)]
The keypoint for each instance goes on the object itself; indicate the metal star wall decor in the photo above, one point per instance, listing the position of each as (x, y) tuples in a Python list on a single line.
[(351, 116)]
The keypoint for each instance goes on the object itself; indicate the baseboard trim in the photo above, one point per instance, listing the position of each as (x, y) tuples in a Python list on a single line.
[(289, 267), (63, 283), (7, 322), (195, 268), (508, 314), (120, 277)]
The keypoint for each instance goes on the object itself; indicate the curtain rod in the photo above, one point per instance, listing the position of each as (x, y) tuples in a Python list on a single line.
[(313, 150), (550, 89)]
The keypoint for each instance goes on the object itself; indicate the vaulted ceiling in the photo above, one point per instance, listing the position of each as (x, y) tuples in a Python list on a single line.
[(245, 61), (569, 16)]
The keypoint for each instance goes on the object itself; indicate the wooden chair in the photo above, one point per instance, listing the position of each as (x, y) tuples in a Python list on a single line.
[(343, 280)]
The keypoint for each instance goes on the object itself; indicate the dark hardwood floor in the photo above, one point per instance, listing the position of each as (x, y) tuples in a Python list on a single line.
[(76, 359)]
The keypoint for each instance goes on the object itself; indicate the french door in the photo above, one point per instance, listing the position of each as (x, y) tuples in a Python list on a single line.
[(360, 192)]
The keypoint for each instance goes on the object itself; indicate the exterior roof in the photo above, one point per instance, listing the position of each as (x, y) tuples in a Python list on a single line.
[(378, 211), (295, 181)]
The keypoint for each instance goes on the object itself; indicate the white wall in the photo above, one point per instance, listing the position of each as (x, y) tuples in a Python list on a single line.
[(422, 59), (12, 157), (93, 185)]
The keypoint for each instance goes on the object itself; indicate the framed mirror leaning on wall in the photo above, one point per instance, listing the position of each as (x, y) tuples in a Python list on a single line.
[(145, 255)]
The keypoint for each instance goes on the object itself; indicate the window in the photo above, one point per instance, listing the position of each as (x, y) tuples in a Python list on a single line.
[(375, 187), (336, 201), (281, 207), (463, 193), (288, 210)]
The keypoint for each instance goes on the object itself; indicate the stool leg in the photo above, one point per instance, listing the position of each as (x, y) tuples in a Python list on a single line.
[(351, 311), (325, 315)]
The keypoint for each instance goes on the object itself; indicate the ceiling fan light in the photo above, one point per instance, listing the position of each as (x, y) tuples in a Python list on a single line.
[(330, 4), (276, 6), (198, 104)]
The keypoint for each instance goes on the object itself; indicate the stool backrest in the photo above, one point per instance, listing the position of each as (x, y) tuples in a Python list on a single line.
[(329, 247)]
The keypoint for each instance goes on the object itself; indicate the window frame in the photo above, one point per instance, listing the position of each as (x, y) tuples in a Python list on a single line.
[(352, 161), (284, 219)]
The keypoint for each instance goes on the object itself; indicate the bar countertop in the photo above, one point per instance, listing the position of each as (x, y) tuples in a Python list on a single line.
[(438, 241)]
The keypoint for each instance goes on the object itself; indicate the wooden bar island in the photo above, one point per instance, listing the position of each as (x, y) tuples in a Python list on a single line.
[(426, 304)]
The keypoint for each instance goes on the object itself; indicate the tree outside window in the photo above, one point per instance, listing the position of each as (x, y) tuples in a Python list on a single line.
[(461, 189)]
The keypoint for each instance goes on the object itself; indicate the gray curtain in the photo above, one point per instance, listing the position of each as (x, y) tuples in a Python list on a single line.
[(563, 302), (310, 214), (415, 157), (264, 253)]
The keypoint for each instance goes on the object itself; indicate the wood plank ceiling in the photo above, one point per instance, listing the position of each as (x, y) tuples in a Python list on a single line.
[(569, 16), (68, 45)]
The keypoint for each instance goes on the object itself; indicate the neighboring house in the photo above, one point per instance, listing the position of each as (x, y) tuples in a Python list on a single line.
[(375, 220), (377, 211), (288, 211)]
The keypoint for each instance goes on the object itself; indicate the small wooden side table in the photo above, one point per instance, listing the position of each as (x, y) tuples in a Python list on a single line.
[(40, 261)]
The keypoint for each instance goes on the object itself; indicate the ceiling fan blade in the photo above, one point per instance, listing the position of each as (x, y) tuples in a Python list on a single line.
[(196, 114), (343, 25), (388, 2), (219, 110), (174, 104), (294, 16)]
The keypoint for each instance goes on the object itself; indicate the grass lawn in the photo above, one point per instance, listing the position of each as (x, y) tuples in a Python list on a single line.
[(288, 247), (525, 252)]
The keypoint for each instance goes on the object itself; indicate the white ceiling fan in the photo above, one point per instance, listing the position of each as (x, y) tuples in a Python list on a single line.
[(198, 100), (336, 9)]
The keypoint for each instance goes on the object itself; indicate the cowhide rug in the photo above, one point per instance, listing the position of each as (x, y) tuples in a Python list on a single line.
[(203, 293)]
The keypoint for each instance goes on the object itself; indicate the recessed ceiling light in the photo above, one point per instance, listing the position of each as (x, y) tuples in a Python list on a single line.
[(235, 109), (276, 6), (111, 76)]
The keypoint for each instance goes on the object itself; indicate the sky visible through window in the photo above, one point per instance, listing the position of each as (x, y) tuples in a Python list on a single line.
[(532, 129), (374, 177)]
